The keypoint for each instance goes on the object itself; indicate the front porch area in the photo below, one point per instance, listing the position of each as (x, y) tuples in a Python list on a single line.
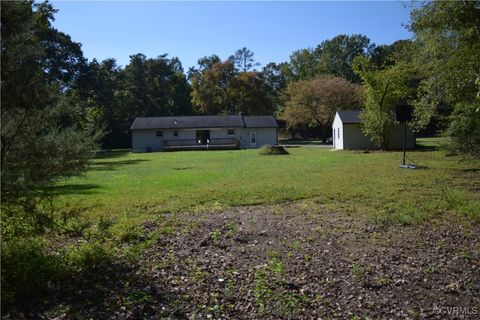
[(201, 144)]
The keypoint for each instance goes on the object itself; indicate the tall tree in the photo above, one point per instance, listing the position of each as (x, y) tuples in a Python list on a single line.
[(113, 97), (210, 89), (248, 95), (385, 88), (303, 65), (222, 90), (388, 55), (336, 55), (157, 86), (243, 60), (314, 102), (273, 83), (40, 141), (204, 63), (105, 104), (136, 85), (448, 35)]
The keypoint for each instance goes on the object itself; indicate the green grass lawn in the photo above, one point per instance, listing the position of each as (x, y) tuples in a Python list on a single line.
[(121, 183), (109, 218), (305, 142), (432, 142)]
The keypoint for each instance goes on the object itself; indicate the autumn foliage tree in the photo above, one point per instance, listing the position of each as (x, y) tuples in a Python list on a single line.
[(219, 89), (314, 102), (249, 96), (211, 92)]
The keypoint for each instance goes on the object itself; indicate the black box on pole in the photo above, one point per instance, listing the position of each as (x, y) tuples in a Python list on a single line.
[(404, 112)]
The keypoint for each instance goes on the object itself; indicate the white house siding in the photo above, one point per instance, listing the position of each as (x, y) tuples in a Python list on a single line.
[(263, 136), (222, 133), (142, 140)]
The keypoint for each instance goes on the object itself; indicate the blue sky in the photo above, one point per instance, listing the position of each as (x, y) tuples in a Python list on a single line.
[(190, 30)]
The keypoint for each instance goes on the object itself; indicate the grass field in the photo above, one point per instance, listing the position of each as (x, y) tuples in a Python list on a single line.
[(220, 233), (300, 142), (137, 185)]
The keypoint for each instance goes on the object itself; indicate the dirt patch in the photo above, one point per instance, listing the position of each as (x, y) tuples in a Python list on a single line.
[(295, 261)]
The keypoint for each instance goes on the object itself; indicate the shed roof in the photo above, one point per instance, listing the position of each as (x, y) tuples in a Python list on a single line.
[(349, 116), (184, 122)]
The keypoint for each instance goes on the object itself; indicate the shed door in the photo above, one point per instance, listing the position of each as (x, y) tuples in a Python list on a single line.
[(253, 139)]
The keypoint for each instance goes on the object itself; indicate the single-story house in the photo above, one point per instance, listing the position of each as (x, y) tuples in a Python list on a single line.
[(202, 132), (347, 134)]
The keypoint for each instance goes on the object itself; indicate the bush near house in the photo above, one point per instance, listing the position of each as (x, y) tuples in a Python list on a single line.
[(272, 150)]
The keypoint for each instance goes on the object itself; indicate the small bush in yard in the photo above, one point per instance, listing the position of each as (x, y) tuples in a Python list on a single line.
[(272, 150), (89, 256), (28, 270)]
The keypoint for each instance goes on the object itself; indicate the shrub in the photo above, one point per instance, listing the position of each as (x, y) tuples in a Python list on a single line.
[(28, 270), (272, 150), (464, 129), (89, 256)]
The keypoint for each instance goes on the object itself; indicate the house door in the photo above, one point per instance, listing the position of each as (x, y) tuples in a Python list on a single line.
[(203, 136), (253, 139)]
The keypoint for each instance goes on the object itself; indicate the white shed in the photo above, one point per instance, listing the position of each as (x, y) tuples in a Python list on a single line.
[(347, 134)]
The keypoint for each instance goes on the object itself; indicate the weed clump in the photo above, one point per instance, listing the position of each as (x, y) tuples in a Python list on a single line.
[(28, 270), (272, 150)]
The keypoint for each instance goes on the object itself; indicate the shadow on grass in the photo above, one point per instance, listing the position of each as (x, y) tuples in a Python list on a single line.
[(107, 154), (67, 189), (474, 170), (113, 165), (420, 147)]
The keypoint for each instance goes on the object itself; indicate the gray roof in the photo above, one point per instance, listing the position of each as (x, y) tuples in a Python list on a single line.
[(349, 116), (183, 122), (260, 122)]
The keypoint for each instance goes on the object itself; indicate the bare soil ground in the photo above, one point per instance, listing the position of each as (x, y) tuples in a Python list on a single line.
[(292, 261)]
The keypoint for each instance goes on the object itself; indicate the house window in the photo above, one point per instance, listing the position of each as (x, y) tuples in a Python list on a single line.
[(159, 133), (231, 131), (175, 133), (338, 133)]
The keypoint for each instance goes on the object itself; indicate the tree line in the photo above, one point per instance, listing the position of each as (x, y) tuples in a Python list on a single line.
[(57, 107)]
